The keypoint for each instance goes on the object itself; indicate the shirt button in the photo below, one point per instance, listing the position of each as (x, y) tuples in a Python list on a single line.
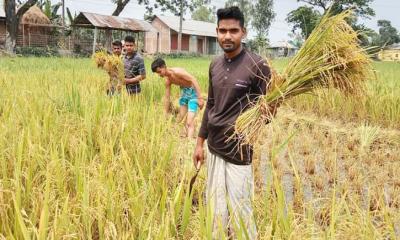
[(226, 77), (227, 69), (229, 60)]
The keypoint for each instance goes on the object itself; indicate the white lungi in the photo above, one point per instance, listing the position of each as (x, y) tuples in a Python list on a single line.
[(230, 185)]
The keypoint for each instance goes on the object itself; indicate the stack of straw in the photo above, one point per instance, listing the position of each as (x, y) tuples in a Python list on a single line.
[(114, 66), (330, 57)]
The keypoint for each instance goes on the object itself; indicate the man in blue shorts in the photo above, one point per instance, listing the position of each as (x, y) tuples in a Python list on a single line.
[(191, 98)]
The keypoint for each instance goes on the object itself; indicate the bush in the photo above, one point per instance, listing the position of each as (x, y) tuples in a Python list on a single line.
[(37, 51), (179, 55), (81, 52)]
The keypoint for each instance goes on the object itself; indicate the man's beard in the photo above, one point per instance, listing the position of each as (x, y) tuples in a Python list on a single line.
[(230, 48)]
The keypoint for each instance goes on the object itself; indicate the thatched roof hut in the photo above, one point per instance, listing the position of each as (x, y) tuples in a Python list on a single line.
[(35, 16), (35, 29)]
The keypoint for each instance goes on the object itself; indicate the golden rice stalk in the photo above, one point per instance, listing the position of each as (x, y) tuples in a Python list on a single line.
[(330, 57), (114, 67)]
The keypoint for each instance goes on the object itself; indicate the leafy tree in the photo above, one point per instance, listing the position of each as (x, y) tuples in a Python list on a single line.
[(246, 6), (361, 7), (263, 15), (366, 34), (297, 39), (305, 19), (50, 10), (203, 12), (258, 44), (388, 34)]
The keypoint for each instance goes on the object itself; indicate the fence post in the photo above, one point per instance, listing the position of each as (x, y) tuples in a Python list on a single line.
[(95, 39)]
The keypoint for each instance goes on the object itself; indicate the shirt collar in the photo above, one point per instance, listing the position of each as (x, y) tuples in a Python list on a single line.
[(229, 60), (130, 57)]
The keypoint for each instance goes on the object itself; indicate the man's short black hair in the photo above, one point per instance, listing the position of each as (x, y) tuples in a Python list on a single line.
[(130, 39), (230, 13), (158, 63), (117, 43)]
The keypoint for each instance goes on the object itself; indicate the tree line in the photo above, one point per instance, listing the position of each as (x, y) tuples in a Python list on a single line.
[(259, 16)]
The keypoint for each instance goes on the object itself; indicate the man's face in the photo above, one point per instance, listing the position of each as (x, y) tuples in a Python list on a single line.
[(230, 34), (117, 50), (130, 47), (161, 71)]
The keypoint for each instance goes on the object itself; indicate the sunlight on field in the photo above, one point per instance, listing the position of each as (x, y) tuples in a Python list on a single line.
[(76, 164)]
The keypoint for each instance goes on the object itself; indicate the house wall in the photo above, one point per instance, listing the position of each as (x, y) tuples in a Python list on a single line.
[(280, 52), (174, 42), (168, 41), (201, 45), (164, 38), (213, 47), (389, 55), (193, 43)]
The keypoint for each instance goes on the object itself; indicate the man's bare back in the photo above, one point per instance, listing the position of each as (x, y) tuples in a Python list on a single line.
[(179, 77)]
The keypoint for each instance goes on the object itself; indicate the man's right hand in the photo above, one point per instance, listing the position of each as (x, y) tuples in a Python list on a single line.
[(201, 102), (198, 155)]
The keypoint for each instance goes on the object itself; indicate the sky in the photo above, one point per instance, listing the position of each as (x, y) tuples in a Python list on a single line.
[(385, 9)]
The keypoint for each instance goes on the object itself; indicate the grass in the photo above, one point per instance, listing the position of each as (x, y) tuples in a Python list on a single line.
[(75, 164)]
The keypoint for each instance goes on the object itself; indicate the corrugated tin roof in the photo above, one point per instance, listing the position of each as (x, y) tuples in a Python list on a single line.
[(85, 19), (189, 26), (2, 12), (282, 44)]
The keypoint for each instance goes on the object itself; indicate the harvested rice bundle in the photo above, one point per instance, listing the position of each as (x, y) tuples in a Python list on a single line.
[(330, 57), (114, 67)]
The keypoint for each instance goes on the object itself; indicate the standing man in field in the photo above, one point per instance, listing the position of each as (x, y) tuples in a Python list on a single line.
[(114, 88), (135, 71), (191, 97), (236, 79), (117, 48)]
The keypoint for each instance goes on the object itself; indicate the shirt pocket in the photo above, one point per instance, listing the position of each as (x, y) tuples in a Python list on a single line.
[(239, 84)]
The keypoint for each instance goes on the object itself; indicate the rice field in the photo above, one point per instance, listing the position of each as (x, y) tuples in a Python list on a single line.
[(76, 164)]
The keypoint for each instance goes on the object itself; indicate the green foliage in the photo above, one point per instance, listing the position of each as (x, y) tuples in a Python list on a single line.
[(263, 15), (361, 7), (296, 40), (204, 13), (388, 34), (258, 44), (246, 6), (50, 10), (79, 52), (304, 19), (179, 55), (37, 51)]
